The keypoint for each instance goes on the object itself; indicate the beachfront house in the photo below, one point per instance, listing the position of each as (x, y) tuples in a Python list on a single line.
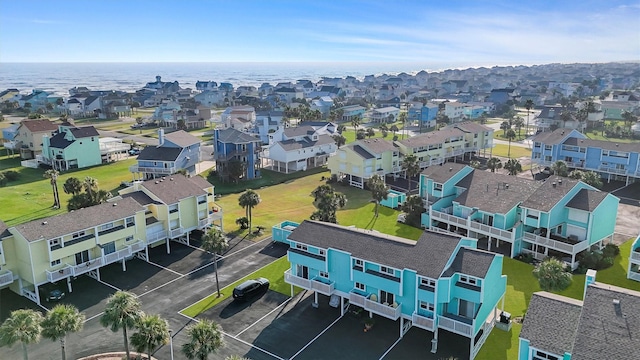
[(611, 160), (29, 136), (513, 215), (601, 326), (351, 111), (440, 282), (383, 115), (71, 147), (633, 270), (302, 147), (176, 151), (62, 247)]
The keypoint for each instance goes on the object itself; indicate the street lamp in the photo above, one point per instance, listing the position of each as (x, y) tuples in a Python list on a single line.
[(171, 342)]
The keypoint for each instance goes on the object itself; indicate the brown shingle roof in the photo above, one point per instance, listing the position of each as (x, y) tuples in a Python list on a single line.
[(495, 193), (472, 127), (77, 220), (39, 125), (432, 138), (377, 146), (182, 138), (548, 194)]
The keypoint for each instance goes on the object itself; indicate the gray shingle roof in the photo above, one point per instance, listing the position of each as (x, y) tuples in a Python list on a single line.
[(3, 230), (174, 188), (442, 173), (58, 141), (84, 131), (233, 136), (471, 262), (299, 131), (472, 127), (587, 200), (495, 193), (77, 220), (607, 330), (553, 137), (547, 195), (140, 197), (291, 144), (362, 152), (377, 146), (159, 153), (603, 144), (551, 322), (182, 138), (428, 256)]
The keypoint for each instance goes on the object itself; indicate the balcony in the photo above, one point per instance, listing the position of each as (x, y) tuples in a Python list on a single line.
[(456, 326), (59, 274), (505, 235), (6, 278), (296, 280), (229, 155), (557, 243), (635, 255), (323, 286), (450, 219), (87, 266), (203, 222), (13, 145), (612, 170), (215, 214), (153, 170), (117, 255), (633, 276), (155, 237), (422, 322), (176, 232), (385, 310), (137, 246), (357, 298)]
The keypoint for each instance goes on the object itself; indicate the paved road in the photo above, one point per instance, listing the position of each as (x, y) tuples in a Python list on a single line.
[(244, 258), (135, 138)]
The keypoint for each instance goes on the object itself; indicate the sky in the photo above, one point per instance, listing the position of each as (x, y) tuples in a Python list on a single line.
[(472, 32)]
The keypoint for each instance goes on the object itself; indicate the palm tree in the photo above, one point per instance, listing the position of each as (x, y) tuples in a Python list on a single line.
[(60, 321), (214, 242), (565, 116), (411, 167), (518, 122), (379, 190), (592, 178), (52, 175), (153, 331), (494, 163), (327, 202), (341, 128), (629, 118), (72, 186), (513, 167), (90, 185), (560, 168), (394, 129), (528, 105), (248, 200), (339, 139), (370, 132), (403, 119), (505, 126), (22, 326), (204, 338), (123, 311), (356, 120), (510, 135)]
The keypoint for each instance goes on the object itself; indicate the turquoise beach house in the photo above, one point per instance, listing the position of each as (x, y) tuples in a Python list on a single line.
[(72, 147), (512, 215), (439, 283)]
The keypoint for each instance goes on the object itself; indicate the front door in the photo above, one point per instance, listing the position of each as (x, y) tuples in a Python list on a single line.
[(82, 257), (386, 297), (466, 309), (302, 271)]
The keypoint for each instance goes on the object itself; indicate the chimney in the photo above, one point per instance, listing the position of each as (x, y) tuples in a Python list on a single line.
[(553, 184), (160, 137), (559, 181), (589, 279), (450, 169)]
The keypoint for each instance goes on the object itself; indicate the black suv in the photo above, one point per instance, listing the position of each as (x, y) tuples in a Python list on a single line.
[(52, 292), (250, 288)]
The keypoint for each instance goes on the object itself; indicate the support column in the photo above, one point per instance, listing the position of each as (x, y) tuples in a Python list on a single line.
[(168, 246), (124, 265), (188, 238), (434, 341), (401, 326), (68, 284), (315, 299), (291, 290), (342, 305)]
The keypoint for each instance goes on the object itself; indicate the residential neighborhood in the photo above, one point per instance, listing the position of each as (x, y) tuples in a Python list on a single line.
[(390, 216)]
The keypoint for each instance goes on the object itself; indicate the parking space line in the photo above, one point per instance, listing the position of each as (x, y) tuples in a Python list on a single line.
[(269, 313), (317, 336), (253, 346), (93, 317), (109, 285), (165, 268), (390, 348)]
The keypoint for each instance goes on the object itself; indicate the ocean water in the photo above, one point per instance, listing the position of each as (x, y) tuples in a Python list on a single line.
[(60, 77)]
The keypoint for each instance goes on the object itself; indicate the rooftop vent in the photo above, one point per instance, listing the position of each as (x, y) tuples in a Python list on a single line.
[(450, 169), (506, 186), (554, 184), (44, 223), (157, 182), (115, 204), (171, 179), (616, 302), (560, 181)]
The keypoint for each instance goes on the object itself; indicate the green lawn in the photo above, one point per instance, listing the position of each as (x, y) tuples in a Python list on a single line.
[(597, 135), (31, 196), (516, 151), (274, 272)]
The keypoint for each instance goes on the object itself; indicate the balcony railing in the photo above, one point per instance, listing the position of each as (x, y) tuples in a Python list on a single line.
[(117, 255), (229, 155), (155, 237), (455, 326), (13, 145), (296, 280), (488, 229), (176, 232), (59, 274), (87, 266), (153, 170), (422, 322), (322, 287), (387, 310), (204, 222), (556, 244), (357, 299), (634, 276), (6, 278), (138, 246), (441, 216), (635, 255), (612, 170)]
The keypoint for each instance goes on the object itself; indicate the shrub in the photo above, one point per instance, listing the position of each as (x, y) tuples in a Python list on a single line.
[(551, 275), (526, 258), (243, 222), (3, 180), (12, 175), (598, 259), (611, 250), (212, 175)]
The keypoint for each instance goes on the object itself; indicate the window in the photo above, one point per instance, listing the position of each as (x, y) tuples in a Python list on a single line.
[(78, 234), (547, 147), (129, 238), (301, 247), (386, 270), (321, 252), (359, 262), (543, 355), (54, 244), (109, 248), (360, 286), (428, 282), (173, 208), (323, 274), (130, 221), (468, 280), (533, 214), (437, 187), (106, 226), (55, 262), (426, 306)]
